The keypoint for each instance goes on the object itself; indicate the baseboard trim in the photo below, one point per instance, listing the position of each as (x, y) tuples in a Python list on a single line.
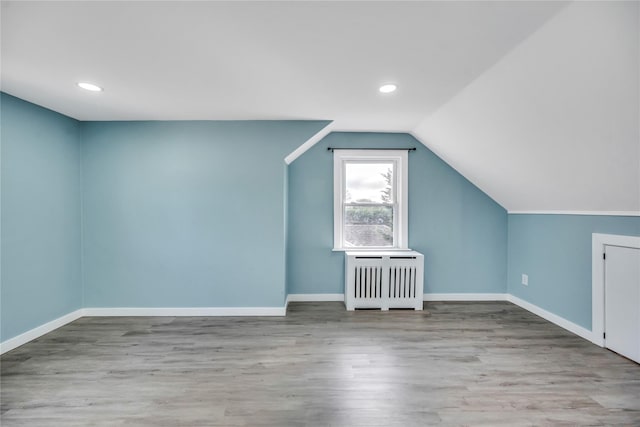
[(39, 331), (314, 297), (426, 297), (183, 311), (591, 213), (553, 318), (465, 297), (547, 315)]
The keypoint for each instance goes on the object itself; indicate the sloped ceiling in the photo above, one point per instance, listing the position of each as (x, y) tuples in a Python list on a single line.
[(535, 102), (554, 125)]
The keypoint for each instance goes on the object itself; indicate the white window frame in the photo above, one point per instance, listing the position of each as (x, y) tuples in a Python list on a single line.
[(401, 191)]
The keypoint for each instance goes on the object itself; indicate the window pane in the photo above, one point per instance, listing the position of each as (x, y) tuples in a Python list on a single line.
[(369, 182), (368, 226)]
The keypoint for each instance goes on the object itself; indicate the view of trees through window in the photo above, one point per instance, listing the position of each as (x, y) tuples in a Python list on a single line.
[(368, 207)]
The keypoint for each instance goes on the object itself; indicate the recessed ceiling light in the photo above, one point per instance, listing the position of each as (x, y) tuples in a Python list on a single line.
[(388, 88), (90, 86)]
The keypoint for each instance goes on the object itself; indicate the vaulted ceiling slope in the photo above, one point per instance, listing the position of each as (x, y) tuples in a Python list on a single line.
[(536, 103), (257, 60), (554, 125)]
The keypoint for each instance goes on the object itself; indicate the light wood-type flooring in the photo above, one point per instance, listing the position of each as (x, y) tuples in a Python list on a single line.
[(480, 363)]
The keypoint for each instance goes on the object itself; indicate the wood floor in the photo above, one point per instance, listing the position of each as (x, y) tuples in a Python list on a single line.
[(455, 364)]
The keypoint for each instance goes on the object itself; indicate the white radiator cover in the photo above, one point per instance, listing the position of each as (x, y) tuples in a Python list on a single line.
[(385, 279)]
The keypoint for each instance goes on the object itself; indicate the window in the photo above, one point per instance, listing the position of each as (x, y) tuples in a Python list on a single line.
[(370, 199)]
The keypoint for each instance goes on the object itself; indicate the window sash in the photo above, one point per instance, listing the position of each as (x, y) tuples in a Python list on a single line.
[(394, 224), (394, 168)]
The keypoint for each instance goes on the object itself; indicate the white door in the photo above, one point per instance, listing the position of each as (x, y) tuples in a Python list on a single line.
[(622, 301)]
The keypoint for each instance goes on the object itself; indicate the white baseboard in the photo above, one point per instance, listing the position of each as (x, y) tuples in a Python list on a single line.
[(547, 315), (595, 213), (553, 318), (34, 333), (184, 311), (39, 331), (426, 297), (314, 297), (465, 297)]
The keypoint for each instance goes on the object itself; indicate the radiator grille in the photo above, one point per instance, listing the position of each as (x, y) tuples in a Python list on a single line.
[(384, 281), (402, 282), (367, 282)]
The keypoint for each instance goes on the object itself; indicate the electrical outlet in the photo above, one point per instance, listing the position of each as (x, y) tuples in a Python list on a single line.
[(525, 280)]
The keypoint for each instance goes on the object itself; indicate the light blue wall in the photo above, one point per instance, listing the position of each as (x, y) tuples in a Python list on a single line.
[(40, 182), (555, 251), (459, 229), (186, 214)]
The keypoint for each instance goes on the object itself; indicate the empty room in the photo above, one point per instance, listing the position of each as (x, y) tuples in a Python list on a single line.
[(320, 213)]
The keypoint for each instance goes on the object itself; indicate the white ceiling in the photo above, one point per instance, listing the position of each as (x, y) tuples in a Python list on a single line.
[(257, 60), (555, 124), (537, 103)]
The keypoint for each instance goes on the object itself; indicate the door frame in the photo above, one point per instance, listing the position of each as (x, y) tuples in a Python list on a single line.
[(598, 243)]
